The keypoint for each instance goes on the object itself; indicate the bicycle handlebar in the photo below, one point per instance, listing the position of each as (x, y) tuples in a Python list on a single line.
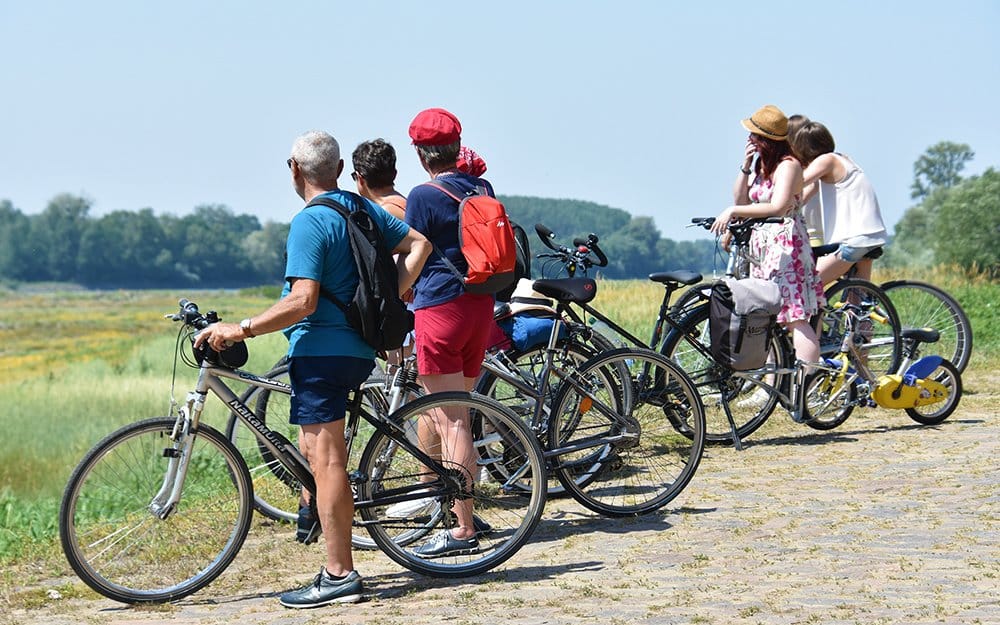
[(580, 254), (188, 313), (706, 222)]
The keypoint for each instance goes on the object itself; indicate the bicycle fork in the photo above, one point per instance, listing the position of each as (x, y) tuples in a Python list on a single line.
[(179, 453)]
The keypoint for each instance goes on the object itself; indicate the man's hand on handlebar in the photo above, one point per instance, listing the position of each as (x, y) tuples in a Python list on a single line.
[(219, 336)]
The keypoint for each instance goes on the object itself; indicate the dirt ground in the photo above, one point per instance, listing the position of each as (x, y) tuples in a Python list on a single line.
[(879, 521)]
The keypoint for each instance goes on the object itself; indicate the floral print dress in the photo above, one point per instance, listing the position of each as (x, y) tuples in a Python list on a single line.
[(786, 258)]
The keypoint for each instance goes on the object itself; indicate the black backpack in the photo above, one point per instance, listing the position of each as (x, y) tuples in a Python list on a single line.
[(376, 310), (522, 264)]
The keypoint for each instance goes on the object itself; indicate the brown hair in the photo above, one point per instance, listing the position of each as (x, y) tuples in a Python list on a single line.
[(810, 141), (795, 122)]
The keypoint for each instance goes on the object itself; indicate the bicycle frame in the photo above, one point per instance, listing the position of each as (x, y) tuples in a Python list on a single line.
[(210, 378)]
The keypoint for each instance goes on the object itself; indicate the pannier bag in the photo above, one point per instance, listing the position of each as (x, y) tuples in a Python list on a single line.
[(741, 316)]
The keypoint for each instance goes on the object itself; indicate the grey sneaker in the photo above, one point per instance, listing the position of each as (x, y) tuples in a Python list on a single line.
[(444, 544), (324, 590)]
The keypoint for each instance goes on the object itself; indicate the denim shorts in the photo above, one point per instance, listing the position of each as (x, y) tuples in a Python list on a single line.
[(321, 384), (854, 254)]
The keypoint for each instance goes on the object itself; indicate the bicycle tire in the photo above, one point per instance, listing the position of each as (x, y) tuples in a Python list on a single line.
[(923, 305), (511, 513), (647, 462), (881, 346), (126, 553), (528, 366), (931, 414), (689, 298), (750, 403), (828, 400)]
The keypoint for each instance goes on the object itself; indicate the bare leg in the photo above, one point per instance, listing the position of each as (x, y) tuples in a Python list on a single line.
[(805, 340), (831, 267), (455, 433), (327, 453)]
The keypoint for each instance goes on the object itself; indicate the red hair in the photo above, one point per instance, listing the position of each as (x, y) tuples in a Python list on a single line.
[(770, 153)]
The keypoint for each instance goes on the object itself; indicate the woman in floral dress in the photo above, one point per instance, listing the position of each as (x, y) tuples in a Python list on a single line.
[(772, 187)]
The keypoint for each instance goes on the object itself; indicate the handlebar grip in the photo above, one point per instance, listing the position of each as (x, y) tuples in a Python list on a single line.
[(603, 260), (545, 235)]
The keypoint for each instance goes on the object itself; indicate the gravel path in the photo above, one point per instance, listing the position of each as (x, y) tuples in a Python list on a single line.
[(879, 521)]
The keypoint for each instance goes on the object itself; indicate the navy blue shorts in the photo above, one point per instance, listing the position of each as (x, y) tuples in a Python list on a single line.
[(320, 385)]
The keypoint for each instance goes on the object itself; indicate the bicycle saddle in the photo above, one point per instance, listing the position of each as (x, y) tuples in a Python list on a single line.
[(681, 277), (565, 290)]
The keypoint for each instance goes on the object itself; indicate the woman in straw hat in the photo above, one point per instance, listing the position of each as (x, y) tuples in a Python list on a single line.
[(772, 187)]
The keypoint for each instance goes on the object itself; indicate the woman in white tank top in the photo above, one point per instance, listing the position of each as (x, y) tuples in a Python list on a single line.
[(848, 206)]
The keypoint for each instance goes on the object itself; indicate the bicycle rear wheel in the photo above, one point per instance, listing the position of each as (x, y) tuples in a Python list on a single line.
[(750, 403), (878, 339), (948, 375), (922, 305), (506, 512), (644, 461), (120, 548)]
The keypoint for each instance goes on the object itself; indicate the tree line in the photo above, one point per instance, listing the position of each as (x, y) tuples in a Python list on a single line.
[(955, 220), (215, 248)]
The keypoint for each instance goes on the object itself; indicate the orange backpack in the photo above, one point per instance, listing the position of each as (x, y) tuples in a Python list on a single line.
[(486, 238)]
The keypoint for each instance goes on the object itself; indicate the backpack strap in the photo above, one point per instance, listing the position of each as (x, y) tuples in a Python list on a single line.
[(346, 214)]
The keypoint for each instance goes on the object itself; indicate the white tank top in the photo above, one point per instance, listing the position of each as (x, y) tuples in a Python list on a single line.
[(850, 209)]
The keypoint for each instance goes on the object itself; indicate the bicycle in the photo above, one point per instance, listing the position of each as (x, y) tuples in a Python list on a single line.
[(928, 390), (161, 507), (606, 430)]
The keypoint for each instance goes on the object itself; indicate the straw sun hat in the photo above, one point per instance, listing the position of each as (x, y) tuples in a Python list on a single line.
[(768, 122)]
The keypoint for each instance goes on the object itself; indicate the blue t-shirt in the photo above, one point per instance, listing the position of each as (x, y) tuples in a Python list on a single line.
[(319, 249), (435, 215)]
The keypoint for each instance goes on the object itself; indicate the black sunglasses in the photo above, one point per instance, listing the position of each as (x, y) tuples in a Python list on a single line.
[(289, 163), (354, 176)]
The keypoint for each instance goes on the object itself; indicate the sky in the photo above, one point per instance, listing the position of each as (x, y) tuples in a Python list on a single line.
[(636, 105)]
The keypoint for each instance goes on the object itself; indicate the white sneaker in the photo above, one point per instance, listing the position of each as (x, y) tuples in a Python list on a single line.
[(755, 400), (413, 508)]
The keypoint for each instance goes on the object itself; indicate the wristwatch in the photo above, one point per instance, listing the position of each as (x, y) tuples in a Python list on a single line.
[(245, 326)]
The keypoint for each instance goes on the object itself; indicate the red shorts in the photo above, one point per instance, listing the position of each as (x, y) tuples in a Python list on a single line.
[(452, 337)]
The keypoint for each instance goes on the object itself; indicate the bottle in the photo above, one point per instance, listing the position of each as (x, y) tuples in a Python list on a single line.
[(606, 332)]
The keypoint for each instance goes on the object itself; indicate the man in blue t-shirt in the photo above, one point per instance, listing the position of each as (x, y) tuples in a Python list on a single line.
[(328, 358)]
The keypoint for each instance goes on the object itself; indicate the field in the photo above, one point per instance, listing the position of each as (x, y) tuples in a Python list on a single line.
[(77, 365)]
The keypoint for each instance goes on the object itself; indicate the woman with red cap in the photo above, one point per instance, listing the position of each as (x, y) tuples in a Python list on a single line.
[(452, 326)]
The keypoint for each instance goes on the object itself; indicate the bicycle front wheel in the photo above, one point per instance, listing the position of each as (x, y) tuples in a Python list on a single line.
[(621, 434), (877, 338), (506, 512), (124, 551), (922, 305)]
